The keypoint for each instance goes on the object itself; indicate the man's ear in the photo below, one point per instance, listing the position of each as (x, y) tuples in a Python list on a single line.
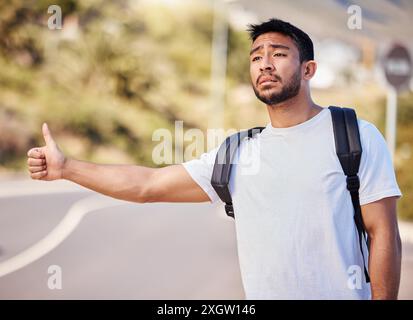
[(310, 68)]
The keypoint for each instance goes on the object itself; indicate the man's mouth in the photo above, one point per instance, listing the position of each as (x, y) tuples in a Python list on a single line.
[(265, 80)]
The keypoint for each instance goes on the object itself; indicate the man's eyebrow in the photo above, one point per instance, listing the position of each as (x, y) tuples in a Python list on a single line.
[(275, 46)]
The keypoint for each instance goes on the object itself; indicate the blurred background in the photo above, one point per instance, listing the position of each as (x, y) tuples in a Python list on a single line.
[(115, 72)]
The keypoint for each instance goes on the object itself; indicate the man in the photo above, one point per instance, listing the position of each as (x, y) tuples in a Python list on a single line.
[(294, 217)]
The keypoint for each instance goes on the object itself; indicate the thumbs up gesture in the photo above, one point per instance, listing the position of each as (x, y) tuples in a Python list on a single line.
[(46, 163)]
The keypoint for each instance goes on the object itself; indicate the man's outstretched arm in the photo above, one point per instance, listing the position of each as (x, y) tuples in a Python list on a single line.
[(126, 182)]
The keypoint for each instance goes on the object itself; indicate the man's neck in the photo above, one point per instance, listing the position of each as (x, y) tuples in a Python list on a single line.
[(292, 112)]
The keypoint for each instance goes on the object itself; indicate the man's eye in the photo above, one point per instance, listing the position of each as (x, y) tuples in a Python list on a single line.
[(280, 55), (256, 58)]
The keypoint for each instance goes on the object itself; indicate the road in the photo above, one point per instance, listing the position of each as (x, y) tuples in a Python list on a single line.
[(121, 250)]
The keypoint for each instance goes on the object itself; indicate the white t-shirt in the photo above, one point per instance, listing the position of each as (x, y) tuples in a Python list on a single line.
[(294, 217)]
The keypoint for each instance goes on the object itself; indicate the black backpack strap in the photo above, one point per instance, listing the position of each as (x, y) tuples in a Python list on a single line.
[(223, 165), (348, 149)]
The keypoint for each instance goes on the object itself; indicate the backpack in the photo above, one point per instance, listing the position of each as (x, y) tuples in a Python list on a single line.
[(348, 149)]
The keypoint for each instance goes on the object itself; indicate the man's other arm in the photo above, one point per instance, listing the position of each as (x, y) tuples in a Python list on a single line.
[(380, 220)]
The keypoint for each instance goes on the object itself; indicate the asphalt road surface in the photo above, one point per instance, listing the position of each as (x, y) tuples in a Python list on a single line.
[(110, 249)]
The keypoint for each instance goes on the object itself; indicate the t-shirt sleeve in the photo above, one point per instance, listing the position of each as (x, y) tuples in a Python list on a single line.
[(200, 171), (377, 176)]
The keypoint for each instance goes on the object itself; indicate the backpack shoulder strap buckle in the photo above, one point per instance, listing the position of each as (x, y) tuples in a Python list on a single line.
[(229, 209), (353, 183)]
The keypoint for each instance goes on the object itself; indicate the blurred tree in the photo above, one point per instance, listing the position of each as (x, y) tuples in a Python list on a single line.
[(113, 74)]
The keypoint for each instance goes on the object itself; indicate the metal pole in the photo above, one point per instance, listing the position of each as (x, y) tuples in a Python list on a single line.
[(391, 120), (218, 64)]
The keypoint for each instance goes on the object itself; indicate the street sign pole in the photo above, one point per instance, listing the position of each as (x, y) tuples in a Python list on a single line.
[(397, 69), (391, 120), (218, 64)]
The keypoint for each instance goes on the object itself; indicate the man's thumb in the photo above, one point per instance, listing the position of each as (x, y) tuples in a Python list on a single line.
[(47, 135)]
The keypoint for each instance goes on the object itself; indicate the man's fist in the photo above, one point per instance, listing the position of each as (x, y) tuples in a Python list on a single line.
[(46, 163)]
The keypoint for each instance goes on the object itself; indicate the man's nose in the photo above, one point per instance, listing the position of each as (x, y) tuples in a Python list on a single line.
[(266, 64)]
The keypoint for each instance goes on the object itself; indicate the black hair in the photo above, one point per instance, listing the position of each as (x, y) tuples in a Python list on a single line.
[(300, 38)]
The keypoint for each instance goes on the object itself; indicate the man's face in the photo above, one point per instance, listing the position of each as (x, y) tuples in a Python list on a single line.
[(275, 68)]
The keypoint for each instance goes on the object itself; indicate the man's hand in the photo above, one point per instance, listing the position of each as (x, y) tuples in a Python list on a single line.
[(46, 163)]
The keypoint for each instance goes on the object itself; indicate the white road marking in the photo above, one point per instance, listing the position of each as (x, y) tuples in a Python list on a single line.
[(66, 226)]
